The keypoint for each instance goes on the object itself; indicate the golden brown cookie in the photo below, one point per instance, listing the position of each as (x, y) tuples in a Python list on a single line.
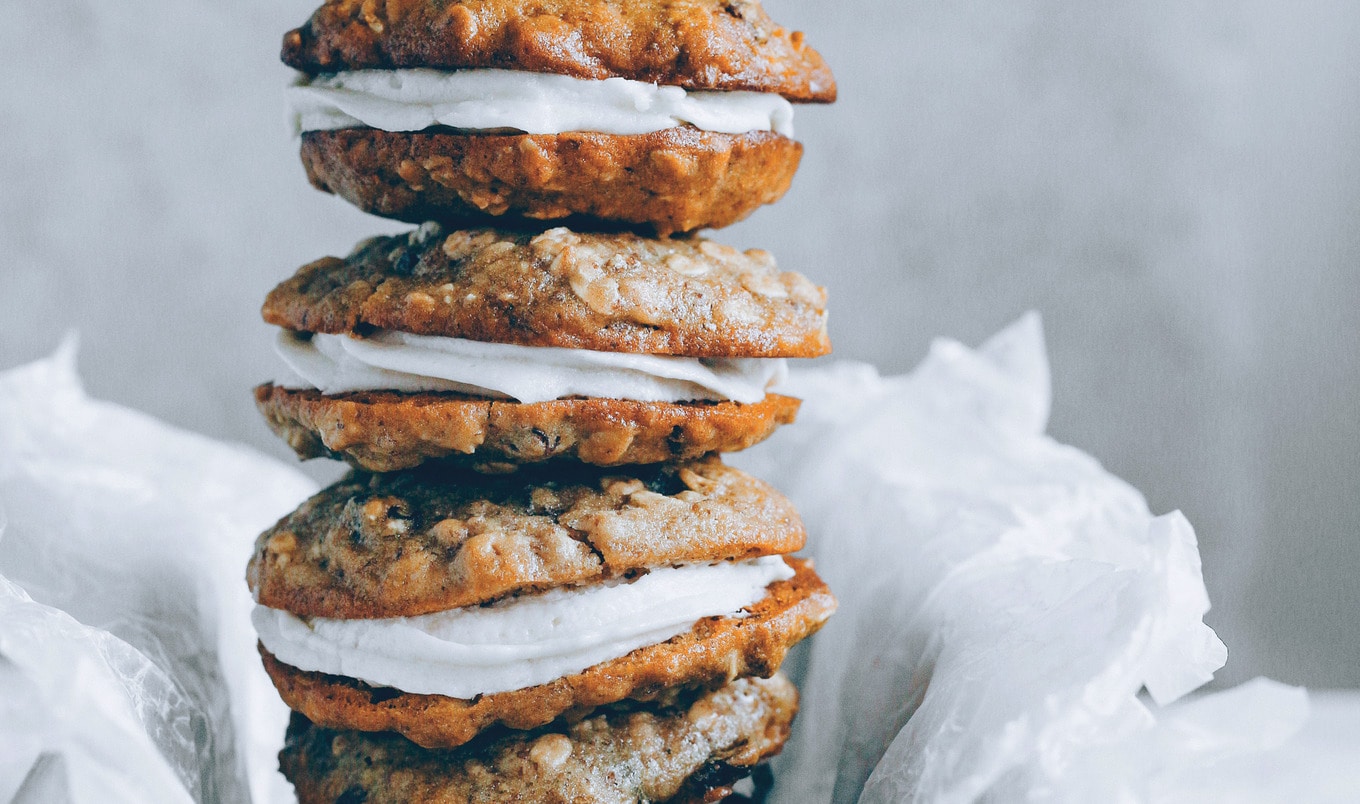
[(411, 543), (607, 292), (696, 44), (716, 651), (674, 180), (688, 751), (384, 431)]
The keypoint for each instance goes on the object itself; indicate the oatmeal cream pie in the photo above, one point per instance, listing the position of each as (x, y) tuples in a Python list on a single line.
[(438, 603), (498, 348), (670, 115), (690, 750)]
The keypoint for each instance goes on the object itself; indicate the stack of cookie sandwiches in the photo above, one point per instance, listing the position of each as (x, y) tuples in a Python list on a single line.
[(540, 582)]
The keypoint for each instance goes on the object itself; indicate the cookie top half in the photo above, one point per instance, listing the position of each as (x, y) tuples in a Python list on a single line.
[(409, 543), (695, 44), (610, 292)]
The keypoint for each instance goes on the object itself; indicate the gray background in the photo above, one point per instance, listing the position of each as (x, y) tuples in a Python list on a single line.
[(1173, 184)]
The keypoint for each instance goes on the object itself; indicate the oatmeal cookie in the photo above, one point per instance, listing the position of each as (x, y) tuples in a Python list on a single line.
[(716, 651), (385, 431), (411, 543), (695, 44), (607, 292), (675, 180), (690, 751)]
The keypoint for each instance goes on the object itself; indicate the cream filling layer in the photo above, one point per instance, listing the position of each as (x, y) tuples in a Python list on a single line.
[(534, 103), (400, 361), (519, 642)]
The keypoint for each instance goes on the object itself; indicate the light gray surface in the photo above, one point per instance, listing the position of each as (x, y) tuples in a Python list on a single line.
[(1316, 766), (1174, 185)]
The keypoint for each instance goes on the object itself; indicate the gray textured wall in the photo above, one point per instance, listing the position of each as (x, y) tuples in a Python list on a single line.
[(1173, 184)]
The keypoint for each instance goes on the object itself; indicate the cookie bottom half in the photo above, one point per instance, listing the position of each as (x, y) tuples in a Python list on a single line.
[(674, 180), (385, 431)]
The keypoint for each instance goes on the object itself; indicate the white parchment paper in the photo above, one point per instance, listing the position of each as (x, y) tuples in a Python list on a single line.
[(1014, 624), (128, 670), (1004, 600)]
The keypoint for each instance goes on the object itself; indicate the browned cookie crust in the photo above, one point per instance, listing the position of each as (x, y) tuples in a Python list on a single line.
[(716, 651), (607, 292), (384, 431), (410, 543), (696, 44), (687, 752), (674, 180)]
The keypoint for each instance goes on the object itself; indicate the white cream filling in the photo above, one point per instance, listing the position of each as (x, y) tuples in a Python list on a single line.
[(523, 641), (399, 361), (535, 103)]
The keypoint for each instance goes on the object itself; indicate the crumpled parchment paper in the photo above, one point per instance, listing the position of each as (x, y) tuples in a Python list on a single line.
[(1004, 599), (1014, 624), (128, 670)]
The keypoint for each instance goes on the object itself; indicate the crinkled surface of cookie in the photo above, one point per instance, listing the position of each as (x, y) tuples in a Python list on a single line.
[(715, 651), (689, 750), (695, 44), (674, 180), (608, 292), (411, 543), (385, 431)]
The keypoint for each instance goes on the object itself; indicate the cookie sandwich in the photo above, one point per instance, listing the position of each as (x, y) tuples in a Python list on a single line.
[(498, 349), (439, 605), (665, 116)]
